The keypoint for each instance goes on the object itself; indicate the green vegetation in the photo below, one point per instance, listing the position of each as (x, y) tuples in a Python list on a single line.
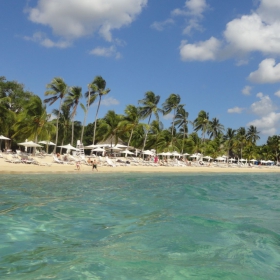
[(23, 115)]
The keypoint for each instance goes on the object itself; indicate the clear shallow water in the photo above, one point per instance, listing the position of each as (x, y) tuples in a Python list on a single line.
[(140, 226)]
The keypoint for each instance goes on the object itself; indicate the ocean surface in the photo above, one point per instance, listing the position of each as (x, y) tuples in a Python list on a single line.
[(140, 226)]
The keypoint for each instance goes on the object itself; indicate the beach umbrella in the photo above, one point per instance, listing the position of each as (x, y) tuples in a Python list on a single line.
[(148, 152), (195, 156), (3, 138), (92, 146), (220, 158), (50, 143), (68, 147), (162, 154), (30, 144), (208, 157), (176, 154), (186, 154), (127, 152), (99, 149)]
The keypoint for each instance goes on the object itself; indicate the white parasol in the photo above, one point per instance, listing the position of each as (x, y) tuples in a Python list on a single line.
[(29, 144), (4, 138), (127, 152), (68, 147), (47, 143)]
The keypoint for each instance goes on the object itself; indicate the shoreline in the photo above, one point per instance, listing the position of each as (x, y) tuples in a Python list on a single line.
[(55, 168)]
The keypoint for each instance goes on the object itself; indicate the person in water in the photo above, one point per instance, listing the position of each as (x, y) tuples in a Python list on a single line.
[(94, 165)]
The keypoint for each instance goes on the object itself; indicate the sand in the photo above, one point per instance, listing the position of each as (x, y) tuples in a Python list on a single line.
[(22, 168)]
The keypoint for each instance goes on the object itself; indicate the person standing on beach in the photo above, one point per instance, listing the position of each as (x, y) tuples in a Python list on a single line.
[(78, 165), (94, 165)]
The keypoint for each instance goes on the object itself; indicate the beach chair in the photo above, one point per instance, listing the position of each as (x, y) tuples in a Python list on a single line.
[(12, 159), (110, 162)]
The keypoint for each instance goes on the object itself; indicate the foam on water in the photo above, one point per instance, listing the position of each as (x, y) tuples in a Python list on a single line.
[(140, 226)]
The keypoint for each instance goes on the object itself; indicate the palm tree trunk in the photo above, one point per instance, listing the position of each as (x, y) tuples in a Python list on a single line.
[(130, 137), (58, 116), (72, 138), (96, 119), (85, 117), (183, 140), (172, 128), (146, 133)]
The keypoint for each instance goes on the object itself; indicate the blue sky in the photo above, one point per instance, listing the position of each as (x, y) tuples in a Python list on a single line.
[(219, 56)]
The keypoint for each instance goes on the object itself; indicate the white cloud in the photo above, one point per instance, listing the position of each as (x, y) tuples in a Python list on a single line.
[(73, 19), (268, 72), (277, 93), (236, 110), (264, 106), (201, 51), (241, 62), (161, 25), (107, 52), (250, 33), (193, 10), (168, 116), (196, 7), (269, 120), (247, 90), (268, 124), (192, 24), (258, 31), (109, 101), (42, 39)]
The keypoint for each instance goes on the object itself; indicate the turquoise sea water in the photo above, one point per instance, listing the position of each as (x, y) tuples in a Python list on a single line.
[(140, 226)]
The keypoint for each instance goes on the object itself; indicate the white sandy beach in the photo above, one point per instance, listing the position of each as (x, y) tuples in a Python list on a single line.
[(22, 168)]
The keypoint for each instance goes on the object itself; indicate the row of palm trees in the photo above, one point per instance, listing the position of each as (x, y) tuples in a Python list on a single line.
[(26, 116)]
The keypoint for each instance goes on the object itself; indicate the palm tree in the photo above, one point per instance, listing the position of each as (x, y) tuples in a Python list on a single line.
[(181, 120), (72, 100), (215, 127), (241, 138), (58, 88), (98, 85), (90, 96), (149, 107), (252, 134), (157, 138), (202, 123), (229, 140), (64, 123), (273, 142), (33, 121), (171, 103), (131, 120), (109, 126)]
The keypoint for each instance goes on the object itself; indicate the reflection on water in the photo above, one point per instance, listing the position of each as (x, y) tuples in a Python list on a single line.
[(140, 226)]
